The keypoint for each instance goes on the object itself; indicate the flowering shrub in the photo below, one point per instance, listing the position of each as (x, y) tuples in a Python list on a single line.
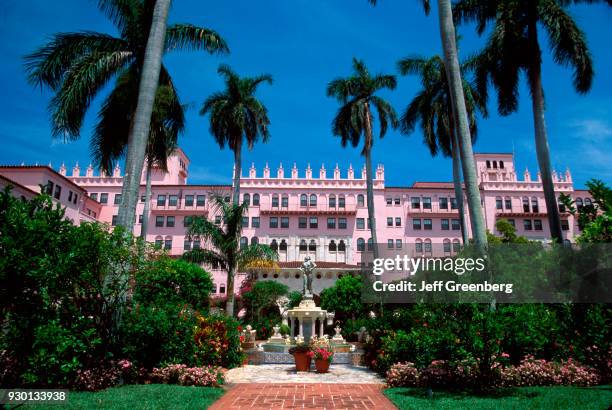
[(601, 360), (403, 375), (217, 341), (188, 376), (97, 378), (533, 372)]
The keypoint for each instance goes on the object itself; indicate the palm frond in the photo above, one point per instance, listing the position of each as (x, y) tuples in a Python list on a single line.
[(190, 37)]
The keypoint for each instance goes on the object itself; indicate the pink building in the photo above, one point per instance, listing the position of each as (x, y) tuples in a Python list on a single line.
[(321, 213)]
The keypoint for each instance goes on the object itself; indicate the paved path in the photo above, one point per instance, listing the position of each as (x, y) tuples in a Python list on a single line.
[(304, 396), (285, 373)]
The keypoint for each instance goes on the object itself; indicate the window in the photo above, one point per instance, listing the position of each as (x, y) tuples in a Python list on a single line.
[(168, 244), (246, 199), (427, 246), (188, 200), (142, 198), (273, 222), (426, 202), (447, 246), (159, 242), (341, 202), (456, 225), (427, 224), (456, 245), (187, 244), (453, 202), (313, 200), (285, 201), (398, 244), (527, 224), (525, 204), (416, 203), (274, 245), (416, 224), (117, 199), (244, 242), (444, 224), (49, 188), (501, 164), (283, 245), (161, 200), (537, 224), (201, 200), (561, 205), (488, 164), (331, 223), (587, 202), (114, 221), (140, 218), (94, 196), (360, 223), (512, 222), (341, 223), (222, 288), (389, 221), (360, 200), (217, 219), (564, 225), (360, 245), (303, 246), (443, 203), (187, 221), (390, 243), (172, 200), (58, 192), (397, 201), (314, 222), (274, 201), (254, 240), (159, 221), (341, 246), (303, 200), (579, 203), (196, 244), (370, 244), (398, 221), (499, 203), (534, 205), (104, 198), (495, 164), (332, 201), (170, 221), (255, 222), (284, 222), (302, 222), (508, 203), (245, 221), (418, 246), (389, 201), (332, 246)]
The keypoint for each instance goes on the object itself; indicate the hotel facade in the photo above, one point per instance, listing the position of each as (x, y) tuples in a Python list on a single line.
[(318, 213)]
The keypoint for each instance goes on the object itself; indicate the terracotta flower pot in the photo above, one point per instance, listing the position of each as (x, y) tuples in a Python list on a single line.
[(302, 361), (322, 365)]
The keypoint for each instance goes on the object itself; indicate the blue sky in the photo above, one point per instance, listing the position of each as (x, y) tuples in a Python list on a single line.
[(304, 44)]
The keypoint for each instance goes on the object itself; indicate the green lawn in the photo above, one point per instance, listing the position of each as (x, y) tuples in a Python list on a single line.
[(139, 397), (558, 397)]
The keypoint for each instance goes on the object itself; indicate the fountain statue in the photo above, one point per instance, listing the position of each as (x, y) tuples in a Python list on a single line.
[(307, 268)]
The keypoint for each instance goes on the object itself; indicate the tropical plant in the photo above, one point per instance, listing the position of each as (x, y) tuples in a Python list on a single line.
[(235, 115), (261, 300), (224, 248), (433, 108), (595, 219), (460, 112), (76, 66), (512, 47), (357, 96)]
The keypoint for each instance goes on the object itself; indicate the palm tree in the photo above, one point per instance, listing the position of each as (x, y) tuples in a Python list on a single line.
[(432, 107), (76, 66), (513, 47), (236, 114), (223, 245), (356, 95), (453, 73)]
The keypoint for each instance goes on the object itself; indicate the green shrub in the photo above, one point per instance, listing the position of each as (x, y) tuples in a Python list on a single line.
[(344, 298), (217, 342)]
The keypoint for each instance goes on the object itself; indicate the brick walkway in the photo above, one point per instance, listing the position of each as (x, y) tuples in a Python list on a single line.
[(304, 396)]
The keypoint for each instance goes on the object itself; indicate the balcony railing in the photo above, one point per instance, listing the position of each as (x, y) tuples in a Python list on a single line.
[(320, 209)]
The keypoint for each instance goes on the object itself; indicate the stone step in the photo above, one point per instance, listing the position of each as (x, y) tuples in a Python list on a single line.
[(259, 357)]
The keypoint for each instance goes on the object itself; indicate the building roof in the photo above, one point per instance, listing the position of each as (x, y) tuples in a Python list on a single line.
[(44, 167), (433, 185), (320, 265), (17, 184)]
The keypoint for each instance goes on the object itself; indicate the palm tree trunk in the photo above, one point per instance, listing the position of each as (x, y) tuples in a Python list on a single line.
[(458, 187), (367, 152), (453, 72), (145, 210), (541, 138), (139, 133), (229, 306), (237, 171)]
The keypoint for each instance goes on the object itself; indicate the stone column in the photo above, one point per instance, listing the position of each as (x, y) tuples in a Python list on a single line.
[(301, 327), (321, 320), (292, 319), (314, 325)]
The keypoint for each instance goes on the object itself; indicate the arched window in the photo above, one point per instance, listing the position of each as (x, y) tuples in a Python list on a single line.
[(159, 241), (561, 205), (285, 201), (418, 246), (525, 204), (303, 245), (312, 246), (313, 200), (283, 245), (244, 241), (275, 201), (222, 288), (370, 244), (587, 202), (456, 245), (427, 245), (255, 199), (341, 246), (332, 201), (534, 205), (360, 245), (360, 200), (274, 245), (246, 199), (254, 240), (303, 200), (447, 246), (579, 203), (341, 201), (332, 246)]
